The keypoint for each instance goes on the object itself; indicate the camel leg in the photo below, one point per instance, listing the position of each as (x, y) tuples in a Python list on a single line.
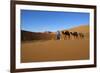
[(64, 37), (68, 37)]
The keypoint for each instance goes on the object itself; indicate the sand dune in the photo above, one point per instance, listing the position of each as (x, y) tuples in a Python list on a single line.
[(84, 29), (38, 47)]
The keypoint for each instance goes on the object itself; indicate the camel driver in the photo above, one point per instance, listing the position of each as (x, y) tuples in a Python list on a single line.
[(58, 35)]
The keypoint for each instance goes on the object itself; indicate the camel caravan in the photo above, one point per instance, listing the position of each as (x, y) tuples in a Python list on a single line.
[(65, 35)]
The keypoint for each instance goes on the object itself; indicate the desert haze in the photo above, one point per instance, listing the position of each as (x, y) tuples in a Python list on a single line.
[(40, 47)]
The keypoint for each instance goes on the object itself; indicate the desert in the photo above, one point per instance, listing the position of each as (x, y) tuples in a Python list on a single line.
[(43, 46)]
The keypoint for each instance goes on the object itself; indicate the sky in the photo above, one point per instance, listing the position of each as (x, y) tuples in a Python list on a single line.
[(41, 21)]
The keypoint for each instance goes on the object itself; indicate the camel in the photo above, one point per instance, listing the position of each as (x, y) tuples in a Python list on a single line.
[(66, 34), (75, 34), (81, 35)]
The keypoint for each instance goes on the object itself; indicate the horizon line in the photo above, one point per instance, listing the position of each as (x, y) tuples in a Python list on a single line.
[(57, 30)]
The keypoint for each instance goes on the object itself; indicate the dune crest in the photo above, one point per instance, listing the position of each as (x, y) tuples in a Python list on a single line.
[(82, 28)]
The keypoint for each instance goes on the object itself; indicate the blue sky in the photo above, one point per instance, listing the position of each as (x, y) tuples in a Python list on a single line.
[(41, 21)]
